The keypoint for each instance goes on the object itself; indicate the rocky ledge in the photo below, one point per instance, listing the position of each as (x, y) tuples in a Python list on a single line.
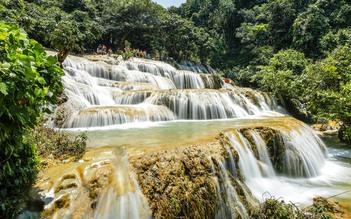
[(199, 180)]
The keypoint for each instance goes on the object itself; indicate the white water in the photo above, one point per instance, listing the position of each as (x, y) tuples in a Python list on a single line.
[(248, 164), (162, 75), (305, 154), (195, 67), (101, 90), (111, 115), (306, 171), (230, 205), (123, 199), (265, 162)]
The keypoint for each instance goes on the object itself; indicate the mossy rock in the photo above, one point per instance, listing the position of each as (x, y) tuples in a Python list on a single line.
[(178, 183)]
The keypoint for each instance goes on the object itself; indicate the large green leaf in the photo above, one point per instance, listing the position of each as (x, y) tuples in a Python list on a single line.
[(41, 80), (3, 88), (52, 60), (3, 35)]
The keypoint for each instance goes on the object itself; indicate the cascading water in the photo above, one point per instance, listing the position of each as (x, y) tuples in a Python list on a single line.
[(302, 154), (248, 164), (123, 198), (195, 67), (113, 115), (265, 151), (265, 162), (230, 205), (305, 153), (106, 101), (204, 104)]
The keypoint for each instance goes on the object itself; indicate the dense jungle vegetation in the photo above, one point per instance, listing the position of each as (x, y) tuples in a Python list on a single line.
[(299, 50)]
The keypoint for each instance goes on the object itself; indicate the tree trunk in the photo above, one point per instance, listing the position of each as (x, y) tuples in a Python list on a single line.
[(62, 55)]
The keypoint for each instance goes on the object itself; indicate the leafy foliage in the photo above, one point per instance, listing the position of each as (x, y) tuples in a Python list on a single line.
[(136, 21), (70, 26), (58, 144), (309, 27), (184, 41), (329, 89), (29, 81), (278, 209), (273, 208), (282, 74), (323, 86)]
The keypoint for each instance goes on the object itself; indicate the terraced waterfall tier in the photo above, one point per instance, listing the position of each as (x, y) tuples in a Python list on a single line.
[(97, 95), (168, 143)]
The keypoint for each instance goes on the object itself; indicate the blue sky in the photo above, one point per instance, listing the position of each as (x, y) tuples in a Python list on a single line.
[(168, 3)]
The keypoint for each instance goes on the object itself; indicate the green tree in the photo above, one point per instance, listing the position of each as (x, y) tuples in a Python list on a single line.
[(63, 39), (12, 11), (282, 16), (327, 92), (72, 32), (308, 28), (70, 6), (331, 40), (29, 81), (136, 21), (283, 74), (184, 41)]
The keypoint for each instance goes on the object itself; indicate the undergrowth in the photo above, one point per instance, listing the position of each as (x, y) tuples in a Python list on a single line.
[(273, 208), (57, 144)]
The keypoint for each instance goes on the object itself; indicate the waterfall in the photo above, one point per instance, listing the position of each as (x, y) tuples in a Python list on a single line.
[(131, 97), (204, 104), (126, 85), (163, 75), (302, 153), (181, 79), (148, 91), (248, 164), (305, 153), (82, 84), (123, 198), (255, 150), (229, 204), (121, 74), (95, 116), (265, 161), (93, 68), (195, 67)]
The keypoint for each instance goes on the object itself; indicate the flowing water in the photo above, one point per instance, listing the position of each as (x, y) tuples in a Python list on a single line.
[(315, 172), (142, 106)]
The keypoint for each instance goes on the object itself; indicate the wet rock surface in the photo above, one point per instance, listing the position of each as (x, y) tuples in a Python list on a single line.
[(328, 128), (179, 182), (72, 190), (274, 141)]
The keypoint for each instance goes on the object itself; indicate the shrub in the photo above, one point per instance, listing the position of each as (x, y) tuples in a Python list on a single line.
[(59, 144), (29, 81), (278, 209), (274, 208)]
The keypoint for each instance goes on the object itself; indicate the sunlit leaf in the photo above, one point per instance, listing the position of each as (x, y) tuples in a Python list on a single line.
[(3, 88)]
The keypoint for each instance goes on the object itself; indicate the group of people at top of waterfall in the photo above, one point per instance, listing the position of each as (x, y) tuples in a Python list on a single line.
[(101, 49), (137, 52)]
